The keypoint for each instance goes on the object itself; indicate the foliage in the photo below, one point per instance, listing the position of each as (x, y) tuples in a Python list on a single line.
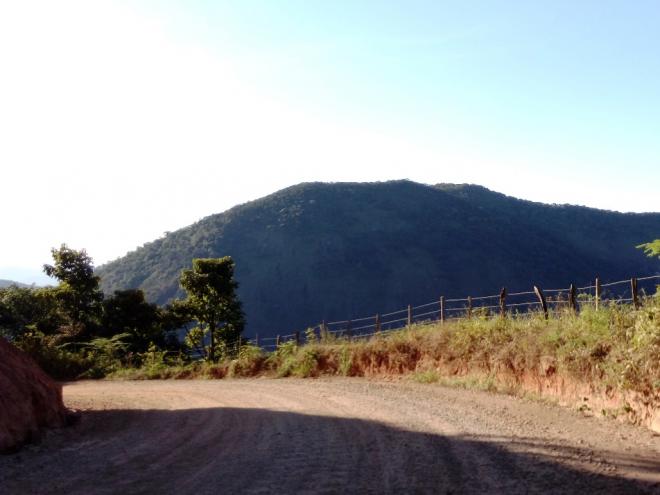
[(651, 249), (127, 312), (430, 376), (249, 362), (78, 292), (105, 354), (345, 362), (283, 358), (61, 363), (72, 332), (212, 302), (24, 309)]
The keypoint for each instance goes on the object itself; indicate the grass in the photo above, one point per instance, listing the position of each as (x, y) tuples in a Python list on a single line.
[(617, 347)]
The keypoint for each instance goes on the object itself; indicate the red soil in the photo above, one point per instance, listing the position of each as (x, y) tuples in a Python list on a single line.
[(29, 399)]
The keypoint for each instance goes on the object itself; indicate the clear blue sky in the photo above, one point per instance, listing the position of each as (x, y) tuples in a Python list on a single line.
[(176, 110)]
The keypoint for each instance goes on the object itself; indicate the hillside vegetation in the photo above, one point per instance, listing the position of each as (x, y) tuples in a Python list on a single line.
[(617, 346), (609, 355), (336, 251)]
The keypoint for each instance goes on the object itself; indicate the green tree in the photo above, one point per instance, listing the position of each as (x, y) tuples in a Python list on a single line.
[(128, 312), (652, 249), (212, 300), (175, 319), (78, 292), (24, 310)]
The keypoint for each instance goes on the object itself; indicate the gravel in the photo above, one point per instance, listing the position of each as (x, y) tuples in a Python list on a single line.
[(336, 435)]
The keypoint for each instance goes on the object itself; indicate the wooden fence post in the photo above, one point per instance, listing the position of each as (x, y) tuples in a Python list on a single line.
[(323, 331), (409, 315), (469, 307), (503, 302), (544, 304), (597, 292), (256, 339), (277, 342), (348, 329), (297, 339), (572, 298), (633, 289), (442, 309), (377, 322)]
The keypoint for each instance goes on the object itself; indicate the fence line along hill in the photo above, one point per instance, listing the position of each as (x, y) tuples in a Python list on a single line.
[(503, 304)]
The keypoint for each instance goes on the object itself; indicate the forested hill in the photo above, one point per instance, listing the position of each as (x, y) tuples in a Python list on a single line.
[(344, 250), (8, 283)]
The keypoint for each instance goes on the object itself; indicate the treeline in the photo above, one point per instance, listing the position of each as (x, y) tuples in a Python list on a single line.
[(73, 330)]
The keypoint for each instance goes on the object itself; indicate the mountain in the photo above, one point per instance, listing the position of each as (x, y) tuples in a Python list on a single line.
[(8, 283), (345, 250)]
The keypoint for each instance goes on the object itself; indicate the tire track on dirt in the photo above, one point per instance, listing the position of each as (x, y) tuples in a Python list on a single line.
[(327, 436)]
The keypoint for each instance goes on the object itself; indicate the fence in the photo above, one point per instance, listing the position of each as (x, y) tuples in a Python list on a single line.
[(549, 301)]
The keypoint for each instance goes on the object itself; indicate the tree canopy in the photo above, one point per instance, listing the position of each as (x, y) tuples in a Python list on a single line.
[(78, 292), (212, 301), (127, 312), (26, 309), (72, 330)]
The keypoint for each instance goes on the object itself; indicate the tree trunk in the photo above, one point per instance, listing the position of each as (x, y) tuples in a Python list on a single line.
[(212, 346)]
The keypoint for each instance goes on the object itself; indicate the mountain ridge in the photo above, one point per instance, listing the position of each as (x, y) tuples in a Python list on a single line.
[(4, 283), (340, 250)]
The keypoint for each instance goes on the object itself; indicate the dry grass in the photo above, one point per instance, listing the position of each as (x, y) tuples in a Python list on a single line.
[(617, 346)]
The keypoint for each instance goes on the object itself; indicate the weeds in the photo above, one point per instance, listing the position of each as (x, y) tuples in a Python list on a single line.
[(617, 346), (430, 376)]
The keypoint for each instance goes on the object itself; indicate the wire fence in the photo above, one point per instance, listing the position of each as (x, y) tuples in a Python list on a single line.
[(516, 304)]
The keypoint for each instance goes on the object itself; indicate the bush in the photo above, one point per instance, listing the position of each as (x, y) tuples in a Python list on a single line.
[(60, 363)]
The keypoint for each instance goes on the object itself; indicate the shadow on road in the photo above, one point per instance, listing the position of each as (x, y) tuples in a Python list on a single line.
[(233, 450)]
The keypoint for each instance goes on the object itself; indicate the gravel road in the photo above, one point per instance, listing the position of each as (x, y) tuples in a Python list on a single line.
[(327, 436)]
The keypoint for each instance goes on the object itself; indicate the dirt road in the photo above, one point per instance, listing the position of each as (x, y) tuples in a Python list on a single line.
[(327, 436)]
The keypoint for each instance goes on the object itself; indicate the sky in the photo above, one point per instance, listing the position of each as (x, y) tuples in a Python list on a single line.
[(121, 120)]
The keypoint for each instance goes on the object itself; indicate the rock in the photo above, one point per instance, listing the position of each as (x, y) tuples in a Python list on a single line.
[(29, 399)]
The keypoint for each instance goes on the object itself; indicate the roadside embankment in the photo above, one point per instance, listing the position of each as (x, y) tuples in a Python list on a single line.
[(29, 399)]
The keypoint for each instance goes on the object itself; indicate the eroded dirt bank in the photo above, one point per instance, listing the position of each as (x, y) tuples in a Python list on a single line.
[(29, 399), (327, 436)]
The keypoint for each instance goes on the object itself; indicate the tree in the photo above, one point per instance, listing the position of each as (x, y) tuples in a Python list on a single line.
[(25, 309), (176, 318), (651, 249), (78, 292), (128, 312), (212, 300)]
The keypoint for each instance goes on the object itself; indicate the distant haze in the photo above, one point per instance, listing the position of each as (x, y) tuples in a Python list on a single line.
[(25, 276), (7, 283)]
